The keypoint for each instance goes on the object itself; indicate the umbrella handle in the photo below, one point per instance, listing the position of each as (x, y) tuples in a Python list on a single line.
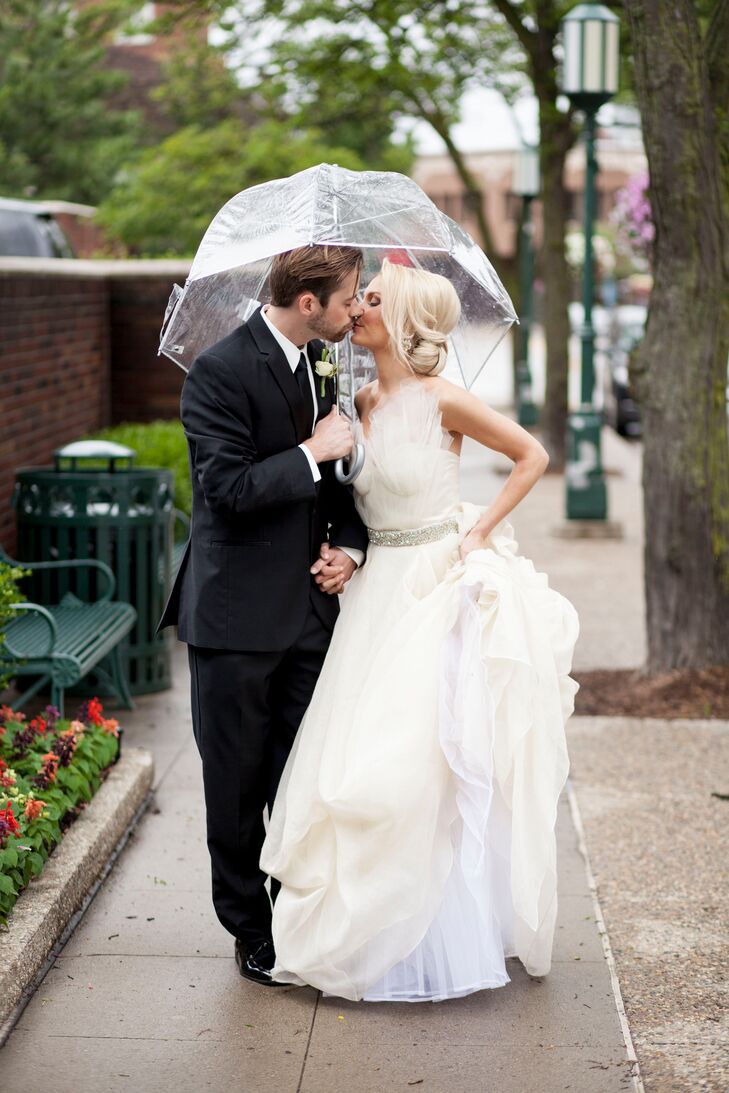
[(356, 463)]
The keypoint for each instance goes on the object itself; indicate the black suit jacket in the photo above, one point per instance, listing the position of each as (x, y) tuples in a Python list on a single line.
[(258, 516)]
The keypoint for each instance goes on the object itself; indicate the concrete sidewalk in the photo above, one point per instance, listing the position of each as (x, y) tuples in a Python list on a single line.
[(145, 996)]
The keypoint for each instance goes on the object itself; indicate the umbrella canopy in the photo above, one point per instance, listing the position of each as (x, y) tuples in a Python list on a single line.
[(383, 213)]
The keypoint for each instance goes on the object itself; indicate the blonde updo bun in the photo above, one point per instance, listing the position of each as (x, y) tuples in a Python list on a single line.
[(419, 311)]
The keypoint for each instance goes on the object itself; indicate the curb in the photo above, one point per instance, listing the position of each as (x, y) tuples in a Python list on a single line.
[(51, 902), (635, 1071)]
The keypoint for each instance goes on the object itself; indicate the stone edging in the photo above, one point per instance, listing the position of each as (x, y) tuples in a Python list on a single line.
[(113, 269), (46, 907)]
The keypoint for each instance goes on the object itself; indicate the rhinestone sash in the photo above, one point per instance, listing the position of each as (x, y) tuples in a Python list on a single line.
[(413, 536)]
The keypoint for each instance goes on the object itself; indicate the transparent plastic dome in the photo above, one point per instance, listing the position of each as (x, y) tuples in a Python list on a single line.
[(383, 213)]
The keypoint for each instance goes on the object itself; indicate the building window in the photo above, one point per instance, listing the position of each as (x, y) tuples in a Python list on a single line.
[(512, 207), (459, 206)]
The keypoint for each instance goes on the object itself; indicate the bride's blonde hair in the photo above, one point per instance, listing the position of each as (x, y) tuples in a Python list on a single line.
[(419, 310)]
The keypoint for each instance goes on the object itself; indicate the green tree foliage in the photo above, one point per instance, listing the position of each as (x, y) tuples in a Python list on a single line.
[(359, 67), (58, 135), (199, 88), (358, 109), (165, 201)]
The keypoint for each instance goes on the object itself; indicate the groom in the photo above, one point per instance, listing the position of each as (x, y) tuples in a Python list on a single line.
[(253, 599)]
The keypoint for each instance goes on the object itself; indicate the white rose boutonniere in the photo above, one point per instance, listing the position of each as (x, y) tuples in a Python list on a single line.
[(326, 368)]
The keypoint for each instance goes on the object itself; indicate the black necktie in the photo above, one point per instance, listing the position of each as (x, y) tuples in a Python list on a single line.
[(302, 378)]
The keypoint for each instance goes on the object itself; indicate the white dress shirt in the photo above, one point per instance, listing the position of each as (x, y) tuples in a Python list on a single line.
[(293, 356)]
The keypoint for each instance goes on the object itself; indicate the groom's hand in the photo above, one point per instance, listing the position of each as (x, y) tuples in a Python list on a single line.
[(332, 569), (332, 437)]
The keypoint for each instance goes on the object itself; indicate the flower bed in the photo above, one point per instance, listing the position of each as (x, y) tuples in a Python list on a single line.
[(49, 769)]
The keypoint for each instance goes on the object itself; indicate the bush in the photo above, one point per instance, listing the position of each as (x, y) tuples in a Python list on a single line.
[(158, 444), (9, 593)]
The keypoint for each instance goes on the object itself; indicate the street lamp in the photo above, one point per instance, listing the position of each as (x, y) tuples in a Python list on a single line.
[(591, 39), (526, 185)]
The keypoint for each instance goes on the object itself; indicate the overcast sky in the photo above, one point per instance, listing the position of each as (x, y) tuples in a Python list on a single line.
[(487, 123)]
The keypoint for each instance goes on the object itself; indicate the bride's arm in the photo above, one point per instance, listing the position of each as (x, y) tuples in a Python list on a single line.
[(463, 413)]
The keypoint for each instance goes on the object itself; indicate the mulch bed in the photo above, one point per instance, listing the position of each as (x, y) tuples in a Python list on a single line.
[(689, 693)]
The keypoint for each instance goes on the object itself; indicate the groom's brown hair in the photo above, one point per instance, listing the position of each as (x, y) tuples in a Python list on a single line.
[(320, 270)]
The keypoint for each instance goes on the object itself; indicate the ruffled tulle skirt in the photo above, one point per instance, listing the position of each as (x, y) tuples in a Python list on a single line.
[(414, 827)]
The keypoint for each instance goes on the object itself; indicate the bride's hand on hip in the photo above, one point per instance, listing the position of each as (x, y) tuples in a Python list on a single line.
[(475, 540)]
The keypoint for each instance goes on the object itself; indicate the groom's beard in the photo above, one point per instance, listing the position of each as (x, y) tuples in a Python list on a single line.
[(328, 333)]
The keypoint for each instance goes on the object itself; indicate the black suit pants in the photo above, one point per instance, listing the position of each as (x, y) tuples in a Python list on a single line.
[(246, 709)]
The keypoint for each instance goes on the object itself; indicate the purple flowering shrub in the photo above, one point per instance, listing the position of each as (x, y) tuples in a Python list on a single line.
[(633, 220)]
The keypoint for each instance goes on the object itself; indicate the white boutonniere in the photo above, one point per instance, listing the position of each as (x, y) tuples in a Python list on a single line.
[(326, 368)]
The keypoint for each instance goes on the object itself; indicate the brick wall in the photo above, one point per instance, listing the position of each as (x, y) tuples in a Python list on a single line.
[(78, 350), (143, 385)]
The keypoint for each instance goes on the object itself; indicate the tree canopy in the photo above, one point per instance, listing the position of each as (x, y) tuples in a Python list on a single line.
[(165, 200), (59, 137)]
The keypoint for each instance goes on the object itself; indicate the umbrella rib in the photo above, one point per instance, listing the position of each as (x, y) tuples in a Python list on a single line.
[(380, 216)]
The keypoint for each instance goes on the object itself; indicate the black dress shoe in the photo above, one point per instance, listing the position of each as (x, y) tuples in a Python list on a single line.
[(255, 960)]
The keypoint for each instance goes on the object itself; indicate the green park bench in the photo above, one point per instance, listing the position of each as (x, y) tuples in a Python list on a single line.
[(61, 643)]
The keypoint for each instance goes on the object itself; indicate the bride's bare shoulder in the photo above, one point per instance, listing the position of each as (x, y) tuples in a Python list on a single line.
[(363, 398), (449, 394)]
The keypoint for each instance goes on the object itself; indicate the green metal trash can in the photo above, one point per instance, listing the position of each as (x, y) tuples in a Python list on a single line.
[(94, 503)]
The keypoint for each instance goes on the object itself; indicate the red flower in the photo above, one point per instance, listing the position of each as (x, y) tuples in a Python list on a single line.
[(38, 725), (8, 824), (33, 808), (94, 711)]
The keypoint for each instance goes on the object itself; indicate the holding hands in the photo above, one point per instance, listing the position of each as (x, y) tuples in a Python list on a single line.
[(332, 569)]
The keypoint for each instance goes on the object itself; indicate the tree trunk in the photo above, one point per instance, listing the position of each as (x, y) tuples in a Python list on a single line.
[(555, 140), (681, 371), (505, 267)]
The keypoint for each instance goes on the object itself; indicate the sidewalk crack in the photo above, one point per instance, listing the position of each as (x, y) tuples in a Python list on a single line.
[(308, 1042)]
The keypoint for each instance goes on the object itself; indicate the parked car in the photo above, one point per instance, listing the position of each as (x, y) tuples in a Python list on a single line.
[(28, 228), (620, 407), (618, 331)]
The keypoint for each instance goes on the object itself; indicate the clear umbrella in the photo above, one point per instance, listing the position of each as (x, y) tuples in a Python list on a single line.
[(383, 213)]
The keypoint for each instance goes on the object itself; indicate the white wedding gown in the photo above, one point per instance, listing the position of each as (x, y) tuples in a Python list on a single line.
[(413, 829)]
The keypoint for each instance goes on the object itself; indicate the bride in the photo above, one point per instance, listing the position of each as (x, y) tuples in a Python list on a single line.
[(413, 828)]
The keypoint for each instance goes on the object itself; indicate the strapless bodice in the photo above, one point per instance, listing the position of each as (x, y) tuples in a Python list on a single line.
[(410, 478)]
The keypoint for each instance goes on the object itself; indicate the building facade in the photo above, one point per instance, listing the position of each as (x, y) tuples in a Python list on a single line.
[(620, 155)]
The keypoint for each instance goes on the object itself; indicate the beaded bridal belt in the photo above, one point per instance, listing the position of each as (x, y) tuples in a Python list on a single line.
[(413, 536)]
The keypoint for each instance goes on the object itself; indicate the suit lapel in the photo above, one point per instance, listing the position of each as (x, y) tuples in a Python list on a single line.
[(323, 402), (281, 372)]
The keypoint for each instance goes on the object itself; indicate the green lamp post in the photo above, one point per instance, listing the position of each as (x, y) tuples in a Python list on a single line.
[(526, 185), (591, 42)]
